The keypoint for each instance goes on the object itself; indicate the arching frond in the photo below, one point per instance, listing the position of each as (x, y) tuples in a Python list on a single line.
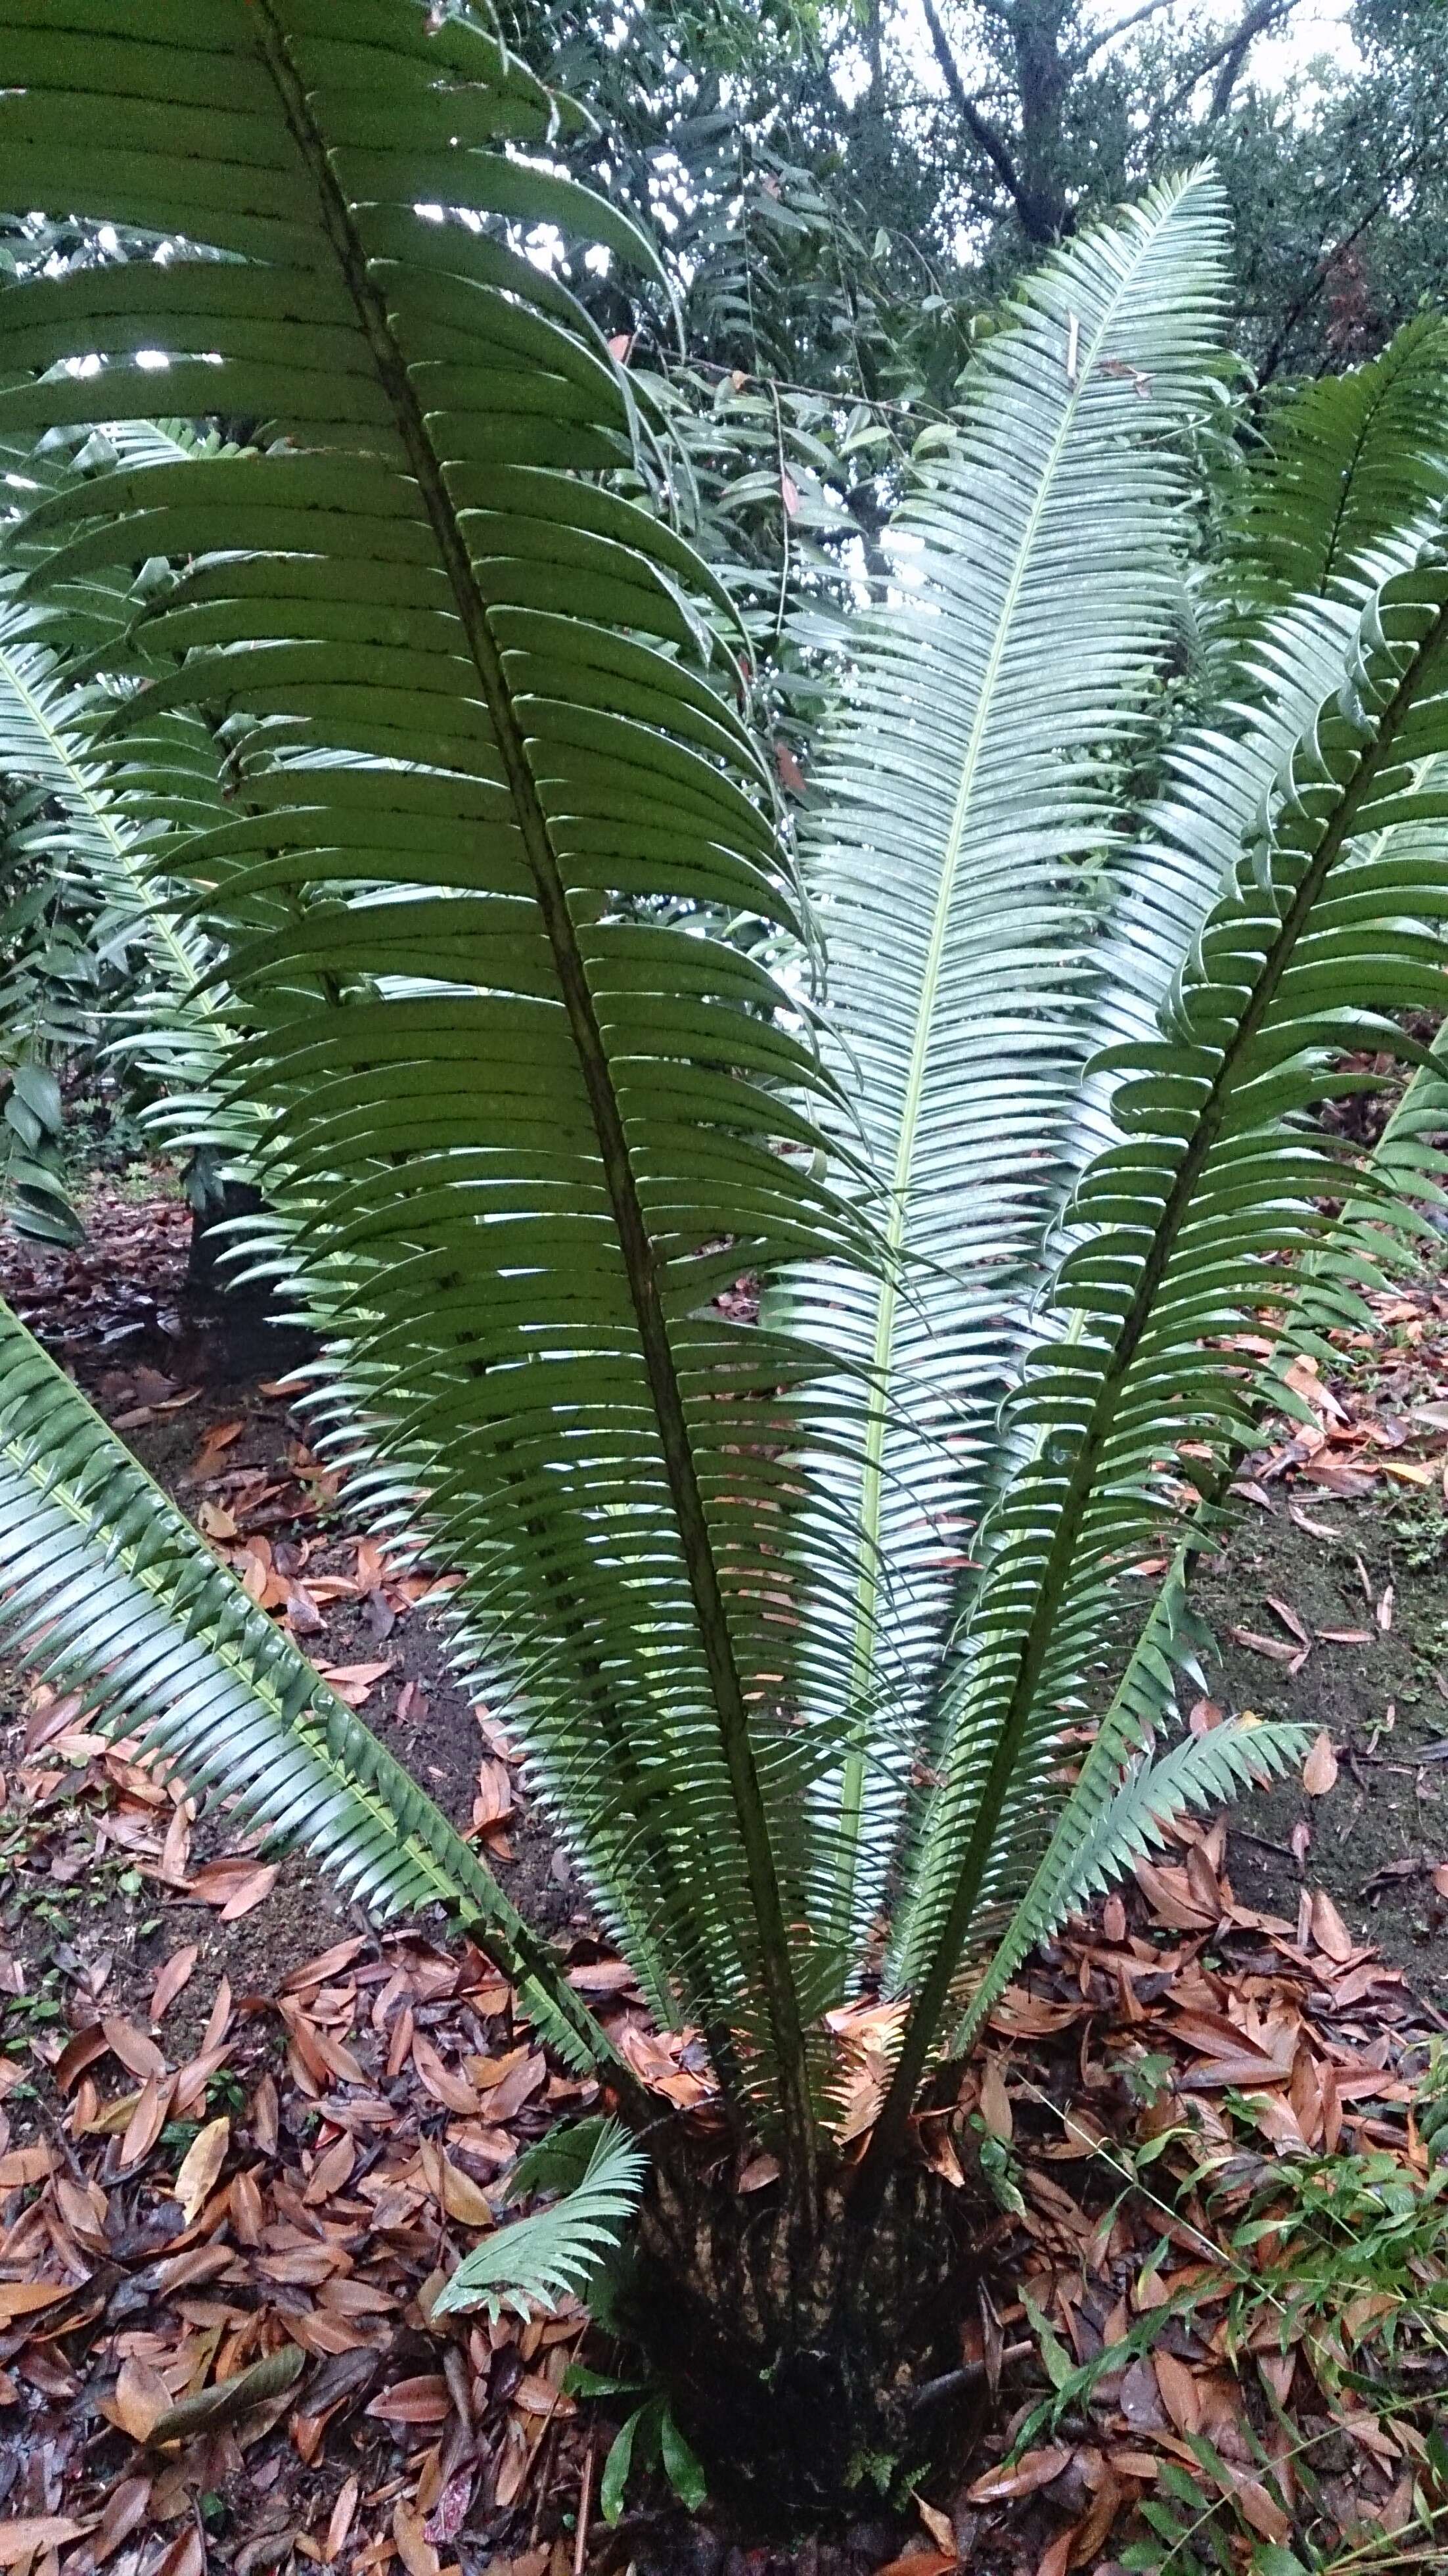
[(1349, 461), (1324, 929), (475, 677), (963, 856), (791, 1616), (106, 1588), (539, 2260)]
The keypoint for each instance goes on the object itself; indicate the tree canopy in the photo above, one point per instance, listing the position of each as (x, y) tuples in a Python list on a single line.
[(843, 184)]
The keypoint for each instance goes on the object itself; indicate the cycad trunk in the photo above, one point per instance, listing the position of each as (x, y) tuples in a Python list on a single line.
[(795, 2360)]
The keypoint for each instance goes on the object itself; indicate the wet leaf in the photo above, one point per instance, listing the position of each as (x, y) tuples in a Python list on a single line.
[(995, 2107), (27, 2298), (343, 2515), (1034, 2469), (171, 1977), (147, 2120), (1257, 2507), (33, 2533), (1179, 2394), (938, 2524), (126, 2508), (140, 2398), (250, 1892), (201, 2167), (423, 2400), (1328, 1928), (413, 2546), (137, 2053), (451, 2509), (1319, 1771)]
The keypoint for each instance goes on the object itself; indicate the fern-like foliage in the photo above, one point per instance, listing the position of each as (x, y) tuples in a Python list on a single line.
[(537, 2261), (964, 852), (1214, 1173), (83, 816), (477, 681), (109, 1591), (433, 726), (1346, 462)]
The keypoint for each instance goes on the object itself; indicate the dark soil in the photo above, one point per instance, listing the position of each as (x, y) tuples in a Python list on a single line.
[(167, 1365), (1380, 1831), (171, 1369)]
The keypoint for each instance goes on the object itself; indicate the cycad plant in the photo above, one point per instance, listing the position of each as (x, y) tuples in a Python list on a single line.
[(424, 727)]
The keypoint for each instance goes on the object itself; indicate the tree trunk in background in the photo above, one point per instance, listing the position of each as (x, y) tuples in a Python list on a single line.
[(237, 1322)]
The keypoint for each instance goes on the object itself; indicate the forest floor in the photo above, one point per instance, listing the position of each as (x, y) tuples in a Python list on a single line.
[(239, 2130)]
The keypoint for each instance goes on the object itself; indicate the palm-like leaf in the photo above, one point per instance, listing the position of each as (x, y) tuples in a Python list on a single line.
[(1348, 461), (539, 2260), (1117, 1787), (518, 1133), (97, 812), (109, 1590), (1215, 1173), (576, 1103), (965, 851)]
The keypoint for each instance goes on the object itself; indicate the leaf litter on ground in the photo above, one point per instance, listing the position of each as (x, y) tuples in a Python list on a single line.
[(1216, 2260)]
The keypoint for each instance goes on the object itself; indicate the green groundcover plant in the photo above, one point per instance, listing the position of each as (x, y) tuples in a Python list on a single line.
[(399, 708)]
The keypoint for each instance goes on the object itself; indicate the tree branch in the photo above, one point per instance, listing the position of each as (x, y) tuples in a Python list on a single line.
[(992, 143), (1323, 268), (1265, 14), (1231, 53), (1084, 53)]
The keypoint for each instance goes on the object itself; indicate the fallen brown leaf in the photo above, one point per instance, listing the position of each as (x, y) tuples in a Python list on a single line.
[(343, 2515), (201, 2167), (126, 2508), (171, 1977), (35, 2533), (140, 2398), (1034, 2469), (995, 2106), (939, 2526), (137, 2053), (147, 2120), (25, 2164), (1319, 1771), (1328, 1928), (1259, 2509), (424, 2400), (27, 2298), (251, 1892), (1179, 2393)]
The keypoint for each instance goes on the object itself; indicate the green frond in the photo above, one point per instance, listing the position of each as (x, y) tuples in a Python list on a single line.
[(509, 1116), (1407, 1163), (1349, 462), (964, 855), (417, 739), (1096, 1843), (1180, 1231), (91, 812), (1199, 1772), (107, 1590), (537, 2261)]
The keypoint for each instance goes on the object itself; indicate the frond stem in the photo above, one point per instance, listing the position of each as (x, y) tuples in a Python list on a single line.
[(872, 1481), (1036, 1645), (781, 1995)]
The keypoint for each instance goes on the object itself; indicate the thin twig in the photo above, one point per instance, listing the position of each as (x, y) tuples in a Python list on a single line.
[(784, 487), (931, 2391), (585, 2503), (541, 2453)]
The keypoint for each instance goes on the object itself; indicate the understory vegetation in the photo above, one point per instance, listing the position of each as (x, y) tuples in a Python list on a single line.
[(793, 1248)]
